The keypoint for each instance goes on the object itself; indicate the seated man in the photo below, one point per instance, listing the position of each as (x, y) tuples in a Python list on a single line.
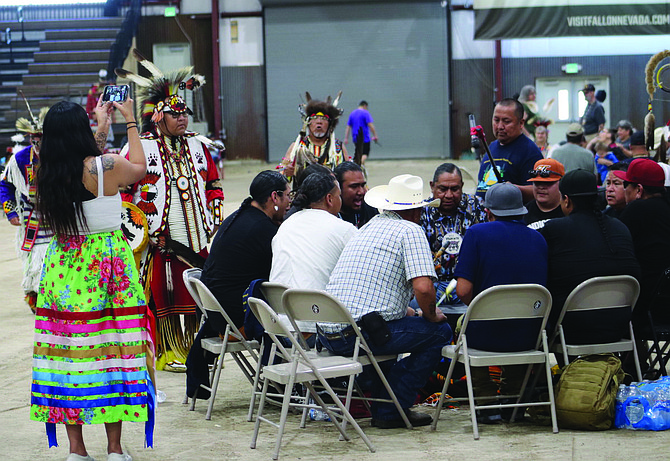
[(379, 270), (614, 191), (308, 244), (446, 224), (241, 252), (647, 216), (500, 252), (547, 198), (582, 245), (354, 186)]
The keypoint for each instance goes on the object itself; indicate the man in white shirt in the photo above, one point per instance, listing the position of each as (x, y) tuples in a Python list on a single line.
[(308, 244)]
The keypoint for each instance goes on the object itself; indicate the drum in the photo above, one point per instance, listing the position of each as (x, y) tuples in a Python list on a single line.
[(135, 227)]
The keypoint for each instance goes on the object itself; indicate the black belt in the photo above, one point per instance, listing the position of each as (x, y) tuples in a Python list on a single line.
[(347, 332)]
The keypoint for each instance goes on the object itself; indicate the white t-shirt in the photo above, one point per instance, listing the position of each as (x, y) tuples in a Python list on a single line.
[(307, 247)]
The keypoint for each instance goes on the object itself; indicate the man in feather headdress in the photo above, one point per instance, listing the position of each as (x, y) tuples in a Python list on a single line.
[(17, 193), (182, 198), (316, 142)]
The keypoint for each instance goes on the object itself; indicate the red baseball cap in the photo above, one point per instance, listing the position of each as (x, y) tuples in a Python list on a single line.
[(646, 172)]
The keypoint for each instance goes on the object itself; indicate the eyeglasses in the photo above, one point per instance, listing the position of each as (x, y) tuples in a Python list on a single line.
[(543, 173), (319, 117)]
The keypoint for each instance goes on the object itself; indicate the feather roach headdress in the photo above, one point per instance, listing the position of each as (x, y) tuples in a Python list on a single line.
[(327, 108), (34, 125), (159, 93)]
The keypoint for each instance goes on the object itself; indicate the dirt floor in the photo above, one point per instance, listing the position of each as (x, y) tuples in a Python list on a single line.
[(185, 435)]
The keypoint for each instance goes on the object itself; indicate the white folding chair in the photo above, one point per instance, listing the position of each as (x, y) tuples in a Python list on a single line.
[(321, 307), (600, 294), (233, 342), (516, 313), (302, 368)]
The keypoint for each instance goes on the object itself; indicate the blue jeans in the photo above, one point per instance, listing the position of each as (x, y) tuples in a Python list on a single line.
[(424, 341)]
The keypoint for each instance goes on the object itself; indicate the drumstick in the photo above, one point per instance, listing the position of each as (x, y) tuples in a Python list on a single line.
[(447, 292)]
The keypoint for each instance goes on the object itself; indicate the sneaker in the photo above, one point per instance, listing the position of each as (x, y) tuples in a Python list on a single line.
[(416, 418), (119, 457), (76, 457)]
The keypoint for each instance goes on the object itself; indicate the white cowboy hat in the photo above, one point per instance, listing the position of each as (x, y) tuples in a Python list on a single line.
[(403, 192)]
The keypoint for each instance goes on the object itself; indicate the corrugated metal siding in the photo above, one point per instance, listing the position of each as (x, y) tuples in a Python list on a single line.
[(627, 97), (243, 99), (392, 55), (473, 92)]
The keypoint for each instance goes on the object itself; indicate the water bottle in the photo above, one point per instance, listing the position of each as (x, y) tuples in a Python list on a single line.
[(635, 411), (316, 414)]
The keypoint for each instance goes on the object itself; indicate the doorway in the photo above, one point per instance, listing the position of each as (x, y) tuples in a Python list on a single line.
[(569, 103), (173, 56)]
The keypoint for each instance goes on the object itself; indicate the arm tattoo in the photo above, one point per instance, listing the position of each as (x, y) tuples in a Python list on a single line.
[(107, 165), (101, 139), (107, 162)]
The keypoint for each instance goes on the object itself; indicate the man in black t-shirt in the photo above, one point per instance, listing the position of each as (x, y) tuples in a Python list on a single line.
[(353, 186), (582, 245), (647, 216), (547, 203)]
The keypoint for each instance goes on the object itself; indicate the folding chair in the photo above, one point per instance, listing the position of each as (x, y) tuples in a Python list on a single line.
[(321, 307), (600, 294), (273, 293), (302, 368), (509, 317), (233, 342), (651, 329)]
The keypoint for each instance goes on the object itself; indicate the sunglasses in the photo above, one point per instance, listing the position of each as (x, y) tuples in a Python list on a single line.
[(628, 183), (543, 173)]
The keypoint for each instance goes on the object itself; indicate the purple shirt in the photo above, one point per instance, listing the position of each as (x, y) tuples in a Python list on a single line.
[(358, 120)]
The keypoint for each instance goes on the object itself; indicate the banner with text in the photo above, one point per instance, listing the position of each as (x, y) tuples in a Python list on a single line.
[(502, 19)]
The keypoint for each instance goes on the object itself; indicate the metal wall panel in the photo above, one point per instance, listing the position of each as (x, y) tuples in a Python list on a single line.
[(627, 99), (473, 89), (392, 55), (243, 100)]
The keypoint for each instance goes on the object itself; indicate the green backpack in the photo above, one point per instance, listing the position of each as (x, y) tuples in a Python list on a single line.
[(586, 392)]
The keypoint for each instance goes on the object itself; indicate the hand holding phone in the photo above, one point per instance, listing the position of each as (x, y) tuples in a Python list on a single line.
[(115, 93)]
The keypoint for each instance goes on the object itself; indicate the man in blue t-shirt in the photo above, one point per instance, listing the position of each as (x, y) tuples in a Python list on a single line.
[(360, 125), (514, 154), (502, 251)]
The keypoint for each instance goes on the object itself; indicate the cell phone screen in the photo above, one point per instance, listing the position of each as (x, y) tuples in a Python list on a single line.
[(115, 93)]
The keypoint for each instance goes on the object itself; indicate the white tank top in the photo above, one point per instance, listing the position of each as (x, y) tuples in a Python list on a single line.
[(103, 213)]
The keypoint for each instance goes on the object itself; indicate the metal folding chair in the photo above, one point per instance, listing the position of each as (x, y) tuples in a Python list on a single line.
[(301, 368), (601, 294), (321, 307), (509, 317), (232, 342)]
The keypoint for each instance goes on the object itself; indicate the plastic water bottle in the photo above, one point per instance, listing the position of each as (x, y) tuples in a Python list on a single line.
[(160, 396), (635, 411), (316, 414)]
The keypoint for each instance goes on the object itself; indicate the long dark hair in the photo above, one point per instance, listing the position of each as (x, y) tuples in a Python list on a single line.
[(66, 142), (313, 189)]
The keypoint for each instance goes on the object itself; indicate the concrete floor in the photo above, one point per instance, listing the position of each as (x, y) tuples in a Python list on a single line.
[(185, 435)]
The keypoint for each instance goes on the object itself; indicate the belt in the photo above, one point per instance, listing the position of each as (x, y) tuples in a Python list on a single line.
[(347, 332)]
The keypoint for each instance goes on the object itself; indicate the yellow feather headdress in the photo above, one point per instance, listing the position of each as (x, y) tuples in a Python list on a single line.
[(159, 93)]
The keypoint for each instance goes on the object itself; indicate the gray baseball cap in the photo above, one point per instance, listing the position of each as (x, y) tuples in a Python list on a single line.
[(504, 199)]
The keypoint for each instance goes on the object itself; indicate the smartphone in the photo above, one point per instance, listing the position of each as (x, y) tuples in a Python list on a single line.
[(116, 93)]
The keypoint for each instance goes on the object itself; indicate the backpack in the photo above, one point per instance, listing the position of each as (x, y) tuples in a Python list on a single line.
[(586, 392)]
